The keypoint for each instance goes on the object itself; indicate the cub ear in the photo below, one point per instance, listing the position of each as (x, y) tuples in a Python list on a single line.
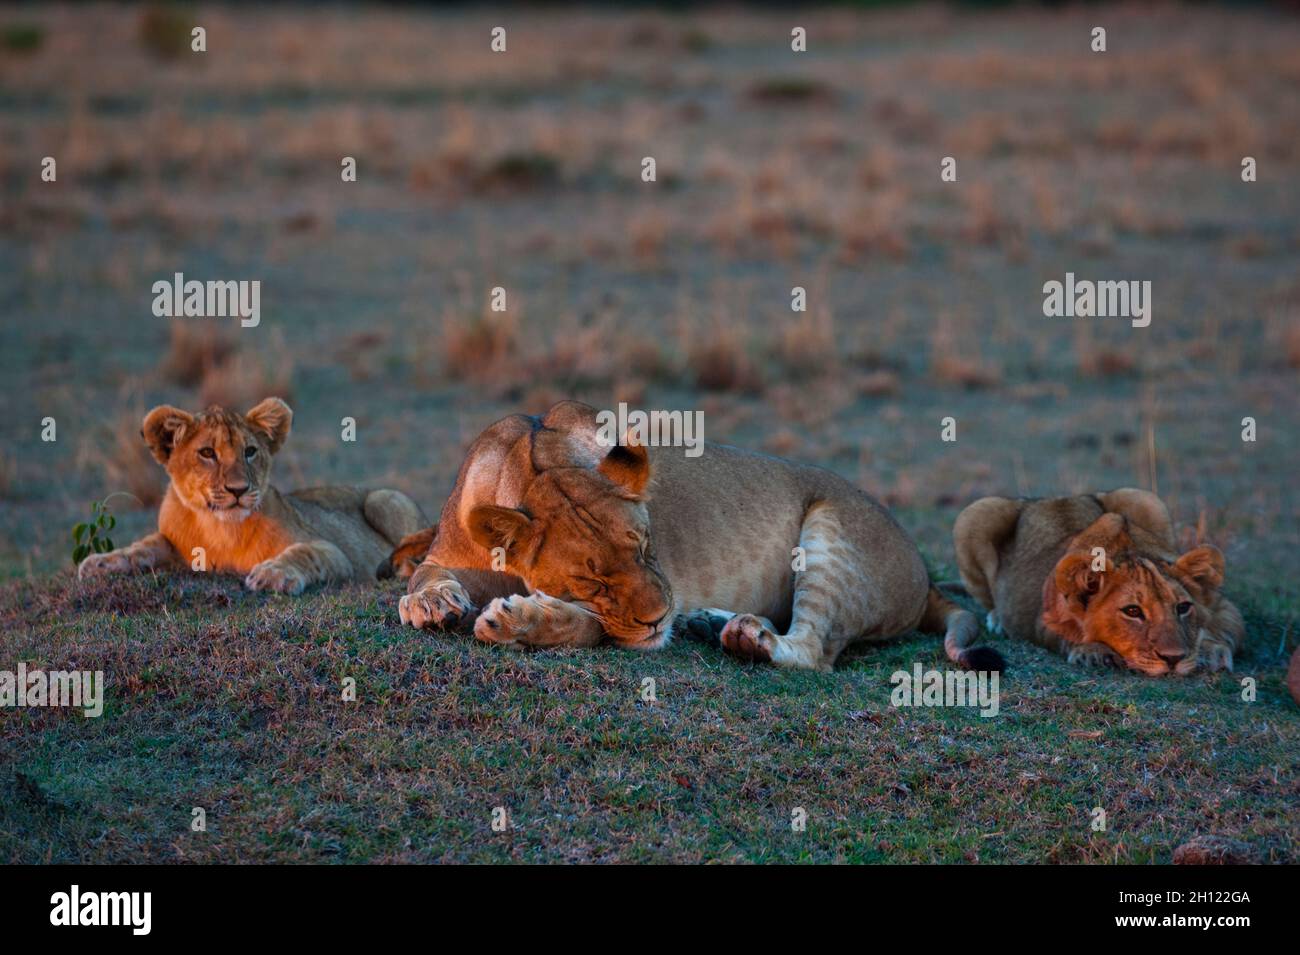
[(1201, 570), (272, 417), (163, 428), (628, 466), (1077, 581), (493, 526)]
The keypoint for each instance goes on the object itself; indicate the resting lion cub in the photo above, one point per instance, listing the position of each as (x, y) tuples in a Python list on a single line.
[(220, 499), (1033, 564), (564, 542)]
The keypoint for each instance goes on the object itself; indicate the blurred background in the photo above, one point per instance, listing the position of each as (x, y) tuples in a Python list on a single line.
[(775, 169)]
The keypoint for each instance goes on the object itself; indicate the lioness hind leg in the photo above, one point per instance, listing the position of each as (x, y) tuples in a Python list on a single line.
[(978, 533), (537, 620), (393, 514), (825, 614)]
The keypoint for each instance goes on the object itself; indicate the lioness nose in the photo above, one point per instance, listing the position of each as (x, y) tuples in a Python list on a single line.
[(1172, 658), (236, 489)]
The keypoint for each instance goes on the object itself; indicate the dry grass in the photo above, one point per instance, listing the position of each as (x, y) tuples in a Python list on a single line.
[(247, 376), (194, 350)]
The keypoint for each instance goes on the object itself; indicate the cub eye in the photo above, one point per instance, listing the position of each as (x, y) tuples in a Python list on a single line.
[(1184, 608), (249, 452), (207, 453), (1132, 610)]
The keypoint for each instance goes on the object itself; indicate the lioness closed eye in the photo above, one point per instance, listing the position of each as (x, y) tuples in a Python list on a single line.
[(220, 499), (1098, 579), (551, 539)]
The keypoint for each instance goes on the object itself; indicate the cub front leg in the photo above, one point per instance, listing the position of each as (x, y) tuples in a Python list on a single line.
[(537, 620), (1094, 655), (147, 553), (299, 566), (1214, 653), (435, 598)]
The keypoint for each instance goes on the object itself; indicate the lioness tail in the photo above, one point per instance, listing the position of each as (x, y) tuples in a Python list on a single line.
[(960, 629)]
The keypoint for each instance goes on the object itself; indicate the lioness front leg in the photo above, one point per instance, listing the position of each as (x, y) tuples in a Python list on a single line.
[(299, 566), (537, 620), (436, 598), (147, 553)]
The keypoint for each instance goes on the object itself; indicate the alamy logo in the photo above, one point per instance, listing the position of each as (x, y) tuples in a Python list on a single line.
[(1087, 299), (924, 687), (212, 299), (655, 429), (76, 688), (103, 908)]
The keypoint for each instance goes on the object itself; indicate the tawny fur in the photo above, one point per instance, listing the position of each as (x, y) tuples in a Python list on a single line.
[(220, 500), (1028, 562), (594, 544)]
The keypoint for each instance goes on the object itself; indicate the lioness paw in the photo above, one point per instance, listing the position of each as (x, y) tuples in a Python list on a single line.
[(1215, 656), (746, 637), (442, 607), (101, 565), (1094, 655), (279, 577)]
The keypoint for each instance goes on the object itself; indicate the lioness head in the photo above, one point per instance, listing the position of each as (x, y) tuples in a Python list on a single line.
[(582, 535), (1149, 612), (219, 461)]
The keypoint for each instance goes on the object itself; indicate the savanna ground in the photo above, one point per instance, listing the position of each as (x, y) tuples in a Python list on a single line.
[(522, 170)]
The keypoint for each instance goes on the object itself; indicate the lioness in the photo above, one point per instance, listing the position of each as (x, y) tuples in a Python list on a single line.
[(565, 542), (1035, 565), (220, 500)]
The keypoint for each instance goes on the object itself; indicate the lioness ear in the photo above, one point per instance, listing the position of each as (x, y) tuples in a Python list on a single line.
[(1201, 570), (272, 417), (163, 428), (628, 466), (1076, 579), (492, 526)]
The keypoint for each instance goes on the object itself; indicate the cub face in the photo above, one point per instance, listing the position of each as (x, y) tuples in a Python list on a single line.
[(1148, 612), (219, 461), (583, 536)]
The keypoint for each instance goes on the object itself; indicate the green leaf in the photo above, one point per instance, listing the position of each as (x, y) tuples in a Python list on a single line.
[(103, 545), (112, 522), (79, 531), (79, 553)]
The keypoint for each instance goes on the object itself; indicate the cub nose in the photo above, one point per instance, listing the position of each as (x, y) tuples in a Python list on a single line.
[(236, 489)]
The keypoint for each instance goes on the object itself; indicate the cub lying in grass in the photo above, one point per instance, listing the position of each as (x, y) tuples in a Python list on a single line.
[(220, 499), (1032, 563), (551, 539)]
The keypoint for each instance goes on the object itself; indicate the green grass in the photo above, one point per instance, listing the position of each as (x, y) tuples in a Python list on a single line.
[(231, 702)]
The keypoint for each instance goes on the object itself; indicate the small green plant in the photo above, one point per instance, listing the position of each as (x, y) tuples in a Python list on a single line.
[(92, 537), (22, 38)]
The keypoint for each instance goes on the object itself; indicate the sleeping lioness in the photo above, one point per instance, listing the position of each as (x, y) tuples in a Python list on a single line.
[(550, 539), (220, 500), (1099, 579)]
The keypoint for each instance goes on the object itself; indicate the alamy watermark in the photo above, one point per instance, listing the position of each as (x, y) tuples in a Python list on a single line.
[(655, 429), (924, 687), (179, 298), (1084, 298), (75, 688)]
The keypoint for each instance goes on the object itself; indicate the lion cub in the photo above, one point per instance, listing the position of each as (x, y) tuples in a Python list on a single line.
[(1098, 578), (220, 499)]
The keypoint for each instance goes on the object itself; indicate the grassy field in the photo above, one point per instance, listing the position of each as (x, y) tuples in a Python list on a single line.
[(240, 712), (522, 171)]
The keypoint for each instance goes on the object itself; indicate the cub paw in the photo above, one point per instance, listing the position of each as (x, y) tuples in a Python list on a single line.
[(1094, 655), (746, 637), (102, 565), (1214, 656), (279, 577), (993, 623), (442, 606)]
